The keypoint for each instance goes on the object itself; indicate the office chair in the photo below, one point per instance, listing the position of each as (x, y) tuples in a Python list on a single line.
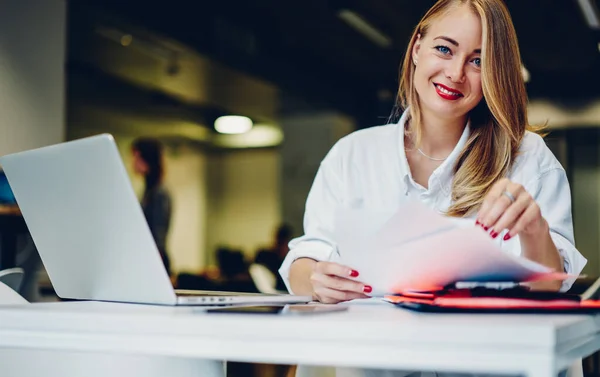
[(12, 277), (263, 278)]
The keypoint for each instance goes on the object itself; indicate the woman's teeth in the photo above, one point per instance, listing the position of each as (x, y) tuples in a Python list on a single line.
[(443, 90)]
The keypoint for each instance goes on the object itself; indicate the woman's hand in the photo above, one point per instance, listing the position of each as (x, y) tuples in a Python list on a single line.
[(508, 206), (333, 283)]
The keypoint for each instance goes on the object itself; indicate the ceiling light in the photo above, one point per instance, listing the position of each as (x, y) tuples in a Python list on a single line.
[(365, 28), (126, 40), (590, 12), (233, 124), (260, 136)]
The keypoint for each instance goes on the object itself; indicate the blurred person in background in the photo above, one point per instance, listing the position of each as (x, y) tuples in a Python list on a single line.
[(148, 161), (274, 257), (234, 274)]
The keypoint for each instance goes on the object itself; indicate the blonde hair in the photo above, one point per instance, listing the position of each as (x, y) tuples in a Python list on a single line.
[(498, 122)]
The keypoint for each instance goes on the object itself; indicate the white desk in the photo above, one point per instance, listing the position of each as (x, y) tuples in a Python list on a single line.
[(371, 336)]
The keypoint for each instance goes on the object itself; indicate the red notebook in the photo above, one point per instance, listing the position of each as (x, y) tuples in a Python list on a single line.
[(482, 300)]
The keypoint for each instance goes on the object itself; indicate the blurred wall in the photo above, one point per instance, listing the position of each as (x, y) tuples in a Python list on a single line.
[(584, 173), (578, 149), (244, 206), (566, 114), (186, 178), (32, 57)]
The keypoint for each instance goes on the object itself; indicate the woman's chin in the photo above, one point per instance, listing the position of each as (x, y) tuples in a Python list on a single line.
[(446, 110)]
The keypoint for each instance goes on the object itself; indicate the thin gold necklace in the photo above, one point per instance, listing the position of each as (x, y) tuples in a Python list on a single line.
[(431, 158), (423, 153)]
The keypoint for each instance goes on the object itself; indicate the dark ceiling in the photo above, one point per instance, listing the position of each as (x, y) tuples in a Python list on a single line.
[(308, 51)]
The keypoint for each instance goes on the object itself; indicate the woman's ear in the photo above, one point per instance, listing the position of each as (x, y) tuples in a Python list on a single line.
[(415, 49)]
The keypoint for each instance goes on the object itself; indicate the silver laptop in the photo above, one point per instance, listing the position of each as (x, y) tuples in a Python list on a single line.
[(90, 230)]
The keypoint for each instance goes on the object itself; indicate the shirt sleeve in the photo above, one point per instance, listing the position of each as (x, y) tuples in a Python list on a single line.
[(317, 242), (552, 193)]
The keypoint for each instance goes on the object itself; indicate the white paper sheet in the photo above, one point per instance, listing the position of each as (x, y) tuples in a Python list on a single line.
[(419, 249)]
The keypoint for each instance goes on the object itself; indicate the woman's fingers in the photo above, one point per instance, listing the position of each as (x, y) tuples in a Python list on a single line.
[(509, 214), (335, 269), (508, 206), (339, 284), (334, 283), (531, 214), (497, 203), (331, 296), (491, 197)]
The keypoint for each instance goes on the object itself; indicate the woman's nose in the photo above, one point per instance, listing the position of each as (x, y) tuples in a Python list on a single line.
[(456, 71)]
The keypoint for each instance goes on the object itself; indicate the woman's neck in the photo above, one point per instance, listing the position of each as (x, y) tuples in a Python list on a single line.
[(440, 136)]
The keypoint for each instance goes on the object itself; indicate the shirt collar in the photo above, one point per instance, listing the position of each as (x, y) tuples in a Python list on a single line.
[(442, 173)]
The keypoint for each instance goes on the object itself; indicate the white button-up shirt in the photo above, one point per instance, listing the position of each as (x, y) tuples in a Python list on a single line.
[(368, 169)]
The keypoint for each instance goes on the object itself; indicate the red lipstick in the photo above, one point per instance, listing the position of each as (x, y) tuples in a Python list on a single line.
[(447, 93)]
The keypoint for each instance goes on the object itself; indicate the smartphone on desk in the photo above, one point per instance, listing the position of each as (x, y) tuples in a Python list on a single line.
[(292, 309)]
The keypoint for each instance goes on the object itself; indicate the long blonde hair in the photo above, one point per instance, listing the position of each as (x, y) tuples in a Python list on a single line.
[(498, 122)]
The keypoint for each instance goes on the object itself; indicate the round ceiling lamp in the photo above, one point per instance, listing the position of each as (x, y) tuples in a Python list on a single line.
[(233, 124)]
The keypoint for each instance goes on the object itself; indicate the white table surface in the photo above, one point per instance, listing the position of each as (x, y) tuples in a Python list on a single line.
[(377, 335)]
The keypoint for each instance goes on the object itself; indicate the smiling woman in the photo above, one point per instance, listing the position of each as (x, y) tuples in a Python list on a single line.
[(463, 147)]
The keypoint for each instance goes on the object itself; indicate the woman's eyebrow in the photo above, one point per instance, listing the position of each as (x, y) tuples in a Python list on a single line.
[(452, 41)]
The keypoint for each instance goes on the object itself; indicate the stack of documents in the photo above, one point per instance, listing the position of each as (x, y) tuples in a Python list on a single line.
[(418, 249)]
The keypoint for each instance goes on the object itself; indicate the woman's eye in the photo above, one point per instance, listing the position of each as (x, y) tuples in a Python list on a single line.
[(477, 62), (443, 49)]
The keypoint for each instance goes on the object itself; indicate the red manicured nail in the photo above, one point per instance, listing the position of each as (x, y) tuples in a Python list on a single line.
[(367, 289), (494, 234), (353, 273), (477, 222), (486, 228), (507, 237)]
